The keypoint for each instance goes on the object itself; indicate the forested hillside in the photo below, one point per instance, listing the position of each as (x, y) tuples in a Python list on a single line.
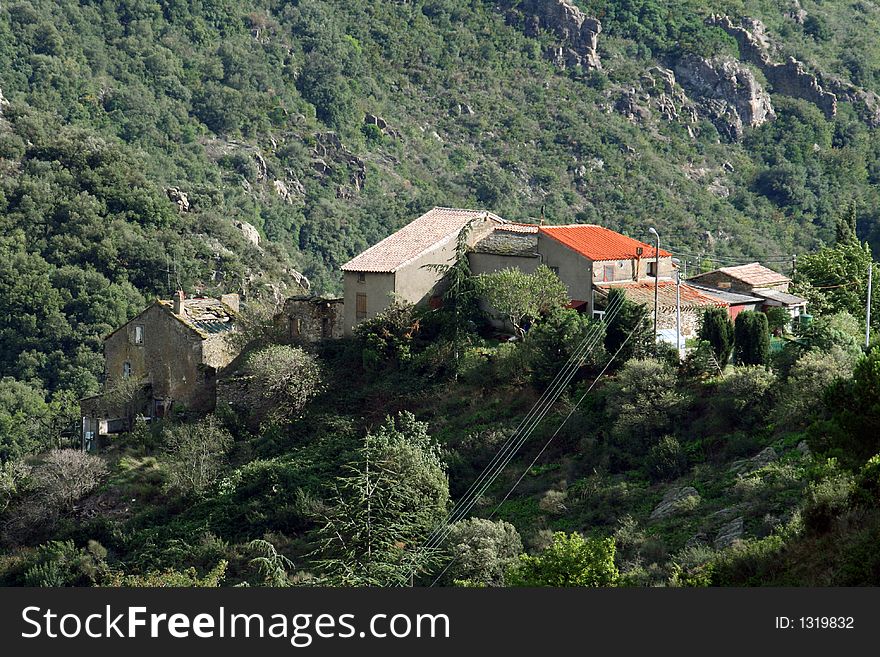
[(254, 146)]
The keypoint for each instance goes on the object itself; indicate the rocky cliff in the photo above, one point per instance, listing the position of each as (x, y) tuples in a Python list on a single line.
[(578, 34)]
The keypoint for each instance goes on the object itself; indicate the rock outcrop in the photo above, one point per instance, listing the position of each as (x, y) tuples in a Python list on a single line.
[(763, 458), (790, 78), (578, 33), (725, 91), (248, 231), (179, 198), (676, 500), (328, 146), (729, 533)]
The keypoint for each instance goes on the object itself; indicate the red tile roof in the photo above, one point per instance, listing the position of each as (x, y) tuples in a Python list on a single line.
[(433, 229), (643, 292), (599, 243)]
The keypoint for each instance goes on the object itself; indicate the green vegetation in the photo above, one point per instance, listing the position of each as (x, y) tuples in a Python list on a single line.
[(139, 138)]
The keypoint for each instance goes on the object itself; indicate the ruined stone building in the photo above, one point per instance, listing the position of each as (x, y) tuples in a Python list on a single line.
[(168, 355), (308, 318)]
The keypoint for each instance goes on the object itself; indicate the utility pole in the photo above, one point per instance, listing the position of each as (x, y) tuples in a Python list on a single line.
[(654, 232), (868, 308), (677, 263)]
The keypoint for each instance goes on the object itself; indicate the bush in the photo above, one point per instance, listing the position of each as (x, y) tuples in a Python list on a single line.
[(571, 560), (551, 342), (67, 475), (826, 501), (666, 460), (274, 384), (643, 403), (810, 377), (386, 339), (482, 550), (746, 395), (195, 454)]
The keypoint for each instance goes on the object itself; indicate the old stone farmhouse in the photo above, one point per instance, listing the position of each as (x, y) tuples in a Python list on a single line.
[(167, 355), (768, 287), (589, 259), (399, 265)]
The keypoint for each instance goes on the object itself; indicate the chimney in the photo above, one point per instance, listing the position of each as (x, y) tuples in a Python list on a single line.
[(231, 300), (179, 297)]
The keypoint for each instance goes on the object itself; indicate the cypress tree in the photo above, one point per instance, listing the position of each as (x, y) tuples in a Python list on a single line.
[(752, 338), (717, 329)]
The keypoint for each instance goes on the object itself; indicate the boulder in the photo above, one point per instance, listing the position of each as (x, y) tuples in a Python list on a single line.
[(765, 457), (179, 198), (675, 500), (729, 533), (249, 232)]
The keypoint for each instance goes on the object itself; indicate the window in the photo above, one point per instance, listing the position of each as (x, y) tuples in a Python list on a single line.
[(138, 334), (126, 369), (295, 327), (362, 277), (361, 307), (652, 268), (555, 270), (326, 331), (608, 273)]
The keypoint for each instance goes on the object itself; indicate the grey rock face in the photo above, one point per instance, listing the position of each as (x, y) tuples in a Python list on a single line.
[(249, 232), (674, 501), (578, 33), (727, 92), (729, 533)]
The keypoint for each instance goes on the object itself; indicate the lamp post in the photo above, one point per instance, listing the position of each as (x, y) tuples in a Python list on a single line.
[(677, 263), (654, 232)]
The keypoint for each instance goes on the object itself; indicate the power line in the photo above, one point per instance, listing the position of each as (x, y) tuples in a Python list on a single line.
[(535, 416), (552, 437)]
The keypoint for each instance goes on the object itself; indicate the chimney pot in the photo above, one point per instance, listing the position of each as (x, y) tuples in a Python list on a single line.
[(179, 297)]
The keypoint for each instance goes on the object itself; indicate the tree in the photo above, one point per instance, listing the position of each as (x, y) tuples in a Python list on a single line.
[(571, 560), (751, 338), (67, 475), (553, 341), (835, 279), (14, 477), (631, 318), (746, 395), (519, 297), (643, 403), (460, 294), (273, 566), (195, 454), (386, 339), (382, 511), (275, 383), (717, 329), (480, 551), (809, 378)]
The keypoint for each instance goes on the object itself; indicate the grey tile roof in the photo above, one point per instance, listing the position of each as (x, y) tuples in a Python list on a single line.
[(732, 298)]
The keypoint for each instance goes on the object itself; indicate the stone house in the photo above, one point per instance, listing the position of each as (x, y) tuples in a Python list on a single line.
[(757, 281), (307, 318), (400, 266), (169, 354)]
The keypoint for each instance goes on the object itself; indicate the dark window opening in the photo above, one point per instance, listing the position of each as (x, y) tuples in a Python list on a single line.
[(361, 307)]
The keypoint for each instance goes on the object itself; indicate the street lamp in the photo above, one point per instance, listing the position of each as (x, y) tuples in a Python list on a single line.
[(677, 263), (654, 232)]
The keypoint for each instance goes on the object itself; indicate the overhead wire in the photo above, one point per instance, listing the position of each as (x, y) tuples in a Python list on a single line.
[(536, 415), (552, 437)]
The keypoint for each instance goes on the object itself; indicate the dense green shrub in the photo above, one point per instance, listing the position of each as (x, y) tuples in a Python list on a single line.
[(571, 560), (480, 551), (666, 460)]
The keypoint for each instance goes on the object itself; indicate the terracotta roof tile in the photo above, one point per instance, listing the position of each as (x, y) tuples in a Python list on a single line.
[(643, 292), (753, 274), (434, 228), (599, 243)]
